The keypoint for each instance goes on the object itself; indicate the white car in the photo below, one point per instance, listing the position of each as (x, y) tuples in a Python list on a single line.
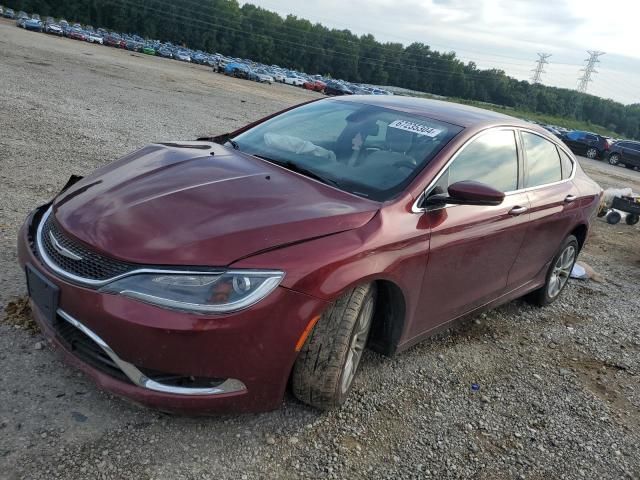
[(278, 77), (94, 38), (264, 78), (297, 81)]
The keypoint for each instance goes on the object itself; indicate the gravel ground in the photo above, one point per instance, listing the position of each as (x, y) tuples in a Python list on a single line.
[(559, 393)]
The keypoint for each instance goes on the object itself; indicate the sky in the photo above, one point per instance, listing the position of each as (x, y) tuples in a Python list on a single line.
[(504, 34)]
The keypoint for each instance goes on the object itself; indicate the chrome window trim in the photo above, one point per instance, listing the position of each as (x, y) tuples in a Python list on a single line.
[(100, 283), (230, 385), (516, 130)]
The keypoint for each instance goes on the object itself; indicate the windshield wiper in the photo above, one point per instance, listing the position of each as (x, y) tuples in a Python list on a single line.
[(221, 140), (294, 167)]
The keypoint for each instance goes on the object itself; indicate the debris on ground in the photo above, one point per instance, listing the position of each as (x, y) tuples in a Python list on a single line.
[(17, 313)]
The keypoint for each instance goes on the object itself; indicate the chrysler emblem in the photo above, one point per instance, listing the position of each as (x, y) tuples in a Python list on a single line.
[(62, 250)]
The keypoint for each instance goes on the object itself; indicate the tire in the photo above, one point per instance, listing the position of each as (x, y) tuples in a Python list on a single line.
[(592, 153), (613, 217), (614, 159), (632, 219), (321, 377), (560, 269)]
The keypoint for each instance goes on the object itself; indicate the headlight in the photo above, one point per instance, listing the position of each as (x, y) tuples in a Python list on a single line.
[(199, 292)]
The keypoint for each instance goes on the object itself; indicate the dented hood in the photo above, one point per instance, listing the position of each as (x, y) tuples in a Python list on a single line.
[(201, 204)]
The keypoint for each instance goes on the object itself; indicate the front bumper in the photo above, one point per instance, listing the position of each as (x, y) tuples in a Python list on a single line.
[(251, 351)]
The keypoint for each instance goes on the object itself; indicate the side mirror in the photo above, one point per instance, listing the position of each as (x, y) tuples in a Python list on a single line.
[(467, 192)]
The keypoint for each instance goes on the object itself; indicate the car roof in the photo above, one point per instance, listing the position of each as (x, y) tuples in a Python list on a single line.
[(454, 113)]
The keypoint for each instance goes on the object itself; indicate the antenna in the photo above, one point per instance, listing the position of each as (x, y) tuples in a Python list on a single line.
[(539, 70), (589, 69)]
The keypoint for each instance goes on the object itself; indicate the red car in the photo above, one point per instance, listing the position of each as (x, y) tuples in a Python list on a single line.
[(315, 85), (206, 276)]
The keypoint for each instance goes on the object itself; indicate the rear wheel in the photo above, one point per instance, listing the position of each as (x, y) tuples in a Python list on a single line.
[(558, 273), (592, 153), (324, 371), (632, 219)]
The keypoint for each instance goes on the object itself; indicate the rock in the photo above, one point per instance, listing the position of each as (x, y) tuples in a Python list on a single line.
[(271, 441), (39, 345), (484, 399), (293, 440)]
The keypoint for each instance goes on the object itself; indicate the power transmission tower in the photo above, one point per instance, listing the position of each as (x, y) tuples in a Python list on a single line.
[(589, 69), (539, 70)]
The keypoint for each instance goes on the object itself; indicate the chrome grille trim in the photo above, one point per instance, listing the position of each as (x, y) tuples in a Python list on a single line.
[(230, 385), (97, 283)]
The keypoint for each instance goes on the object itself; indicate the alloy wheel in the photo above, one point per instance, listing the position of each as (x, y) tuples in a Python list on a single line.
[(592, 153), (561, 271), (613, 159), (356, 347)]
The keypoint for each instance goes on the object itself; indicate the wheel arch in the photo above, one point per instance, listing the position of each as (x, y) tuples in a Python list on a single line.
[(580, 232), (389, 318)]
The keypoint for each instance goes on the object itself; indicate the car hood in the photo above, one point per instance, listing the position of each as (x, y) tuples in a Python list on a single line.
[(201, 204)]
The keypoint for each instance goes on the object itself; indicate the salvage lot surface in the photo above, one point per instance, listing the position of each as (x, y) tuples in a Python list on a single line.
[(559, 387)]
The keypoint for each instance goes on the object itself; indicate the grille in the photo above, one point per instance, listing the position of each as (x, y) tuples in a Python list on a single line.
[(93, 266), (87, 350)]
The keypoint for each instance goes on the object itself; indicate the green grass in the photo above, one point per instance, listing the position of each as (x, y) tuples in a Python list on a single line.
[(569, 123)]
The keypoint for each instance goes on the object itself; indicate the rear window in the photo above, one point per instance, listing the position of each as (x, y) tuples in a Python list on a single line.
[(543, 161)]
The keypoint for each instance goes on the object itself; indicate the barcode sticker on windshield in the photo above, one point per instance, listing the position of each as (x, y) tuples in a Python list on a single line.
[(415, 128)]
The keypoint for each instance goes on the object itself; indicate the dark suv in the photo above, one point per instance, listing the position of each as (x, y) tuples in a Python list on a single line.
[(625, 153), (589, 144)]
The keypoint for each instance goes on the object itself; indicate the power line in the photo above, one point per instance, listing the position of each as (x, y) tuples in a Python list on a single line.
[(588, 70)]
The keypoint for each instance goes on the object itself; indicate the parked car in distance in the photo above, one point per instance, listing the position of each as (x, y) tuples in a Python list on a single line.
[(113, 40), (34, 24), (315, 85), (336, 88), (294, 80), (339, 224), (93, 37), (148, 49), (182, 55), (9, 13), (53, 28), (76, 33), (260, 76), (21, 18), (588, 144), (625, 153)]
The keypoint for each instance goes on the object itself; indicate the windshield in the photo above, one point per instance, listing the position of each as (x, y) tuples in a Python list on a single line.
[(366, 150)]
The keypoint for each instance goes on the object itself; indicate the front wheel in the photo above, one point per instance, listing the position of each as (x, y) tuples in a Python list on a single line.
[(558, 273), (614, 159), (324, 371), (592, 153)]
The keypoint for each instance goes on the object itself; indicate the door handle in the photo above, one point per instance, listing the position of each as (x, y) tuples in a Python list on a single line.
[(515, 211), (570, 198)]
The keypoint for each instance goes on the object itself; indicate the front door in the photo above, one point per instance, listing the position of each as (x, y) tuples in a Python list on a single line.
[(472, 248)]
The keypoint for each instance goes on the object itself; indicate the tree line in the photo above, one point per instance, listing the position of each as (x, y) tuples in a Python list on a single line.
[(249, 31)]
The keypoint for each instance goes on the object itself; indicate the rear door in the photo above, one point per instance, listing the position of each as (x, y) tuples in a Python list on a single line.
[(631, 154), (553, 202), (472, 248)]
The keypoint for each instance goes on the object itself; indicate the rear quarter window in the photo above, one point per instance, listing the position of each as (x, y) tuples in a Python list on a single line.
[(566, 164)]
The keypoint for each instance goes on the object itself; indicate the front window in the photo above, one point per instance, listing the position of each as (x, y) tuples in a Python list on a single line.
[(366, 150), (492, 159)]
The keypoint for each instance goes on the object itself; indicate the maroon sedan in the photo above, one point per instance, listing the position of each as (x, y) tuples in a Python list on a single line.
[(206, 276)]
